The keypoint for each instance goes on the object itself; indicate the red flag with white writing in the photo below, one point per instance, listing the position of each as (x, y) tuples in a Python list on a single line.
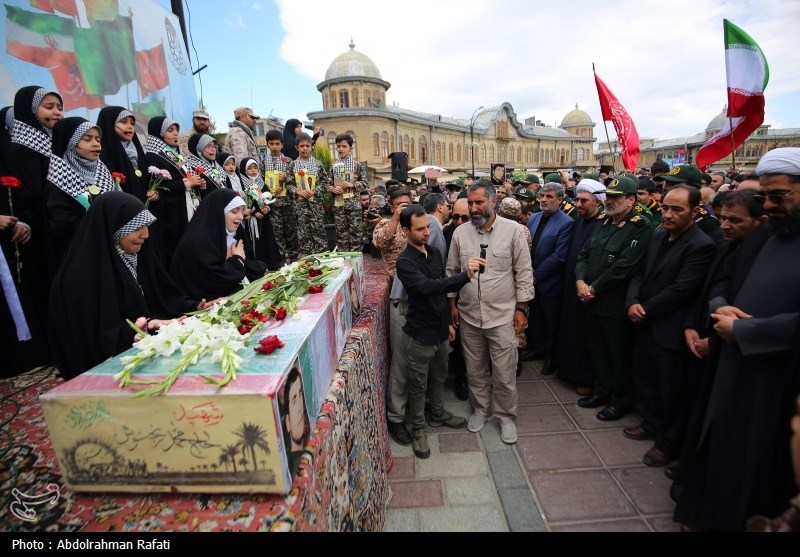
[(152, 66), (627, 136)]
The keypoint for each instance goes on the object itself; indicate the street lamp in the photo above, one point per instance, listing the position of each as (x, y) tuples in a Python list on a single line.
[(472, 138)]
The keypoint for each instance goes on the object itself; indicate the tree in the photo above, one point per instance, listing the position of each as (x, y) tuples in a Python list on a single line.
[(252, 436)]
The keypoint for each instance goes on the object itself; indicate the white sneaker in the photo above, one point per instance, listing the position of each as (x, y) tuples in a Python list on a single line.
[(508, 432), (475, 423)]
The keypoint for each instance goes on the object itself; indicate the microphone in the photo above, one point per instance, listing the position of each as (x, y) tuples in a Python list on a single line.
[(483, 256)]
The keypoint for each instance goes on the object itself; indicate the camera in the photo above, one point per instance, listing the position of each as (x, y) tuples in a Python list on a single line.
[(373, 213), (483, 256)]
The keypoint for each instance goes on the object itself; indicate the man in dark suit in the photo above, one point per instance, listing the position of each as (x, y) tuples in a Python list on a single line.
[(659, 299), (550, 232)]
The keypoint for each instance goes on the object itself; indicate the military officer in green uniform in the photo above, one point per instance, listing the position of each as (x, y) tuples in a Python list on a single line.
[(566, 206), (611, 256), (691, 176), (640, 207), (525, 191)]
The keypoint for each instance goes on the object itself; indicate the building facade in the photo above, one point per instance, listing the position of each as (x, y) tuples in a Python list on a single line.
[(354, 102)]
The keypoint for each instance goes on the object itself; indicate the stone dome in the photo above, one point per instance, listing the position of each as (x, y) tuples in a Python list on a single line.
[(718, 122), (352, 64), (577, 117)]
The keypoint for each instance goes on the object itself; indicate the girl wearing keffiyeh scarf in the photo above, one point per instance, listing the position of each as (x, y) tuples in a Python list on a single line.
[(203, 154), (74, 179), (264, 245), (109, 274)]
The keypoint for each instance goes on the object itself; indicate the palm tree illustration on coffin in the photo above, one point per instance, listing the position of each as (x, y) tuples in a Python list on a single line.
[(228, 455), (251, 436)]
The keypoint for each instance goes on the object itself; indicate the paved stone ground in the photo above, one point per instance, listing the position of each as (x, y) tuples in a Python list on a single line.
[(568, 472)]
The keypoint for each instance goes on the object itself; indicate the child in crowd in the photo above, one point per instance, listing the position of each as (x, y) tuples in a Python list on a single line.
[(276, 167), (307, 181), (348, 182), (266, 248)]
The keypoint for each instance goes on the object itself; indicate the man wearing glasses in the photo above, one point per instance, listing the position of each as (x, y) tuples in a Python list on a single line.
[(742, 465)]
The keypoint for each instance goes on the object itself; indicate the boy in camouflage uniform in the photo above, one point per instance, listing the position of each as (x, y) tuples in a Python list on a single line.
[(282, 210), (308, 211), (348, 182)]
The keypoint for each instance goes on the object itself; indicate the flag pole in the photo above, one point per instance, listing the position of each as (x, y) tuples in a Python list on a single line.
[(733, 144)]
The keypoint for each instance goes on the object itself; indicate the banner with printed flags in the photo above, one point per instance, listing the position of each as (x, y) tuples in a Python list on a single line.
[(67, 7), (627, 136), (747, 76), (152, 67)]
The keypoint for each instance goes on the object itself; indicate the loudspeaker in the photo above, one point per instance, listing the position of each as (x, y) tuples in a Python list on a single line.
[(399, 166)]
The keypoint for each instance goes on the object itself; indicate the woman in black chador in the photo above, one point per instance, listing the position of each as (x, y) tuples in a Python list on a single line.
[(109, 274), (209, 261)]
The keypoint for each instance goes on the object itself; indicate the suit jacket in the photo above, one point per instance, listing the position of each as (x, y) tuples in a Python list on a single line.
[(666, 287), (551, 252)]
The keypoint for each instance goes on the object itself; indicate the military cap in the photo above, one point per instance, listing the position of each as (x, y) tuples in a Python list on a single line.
[(595, 177), (526, 193), (685, 173), (622, 186), (553, 177), (528, 179)]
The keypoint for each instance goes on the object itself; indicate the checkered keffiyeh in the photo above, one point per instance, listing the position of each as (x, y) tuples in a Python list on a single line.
[(62, 175), (277, 164), (30, 137), (311, 166), (155, 144), (349, 166), (39, 96), (124, 114), (145, 218)]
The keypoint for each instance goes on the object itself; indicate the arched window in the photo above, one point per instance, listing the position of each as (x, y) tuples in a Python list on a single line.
[(452, 152), (581, 154), (354, 96), (491, 153), (332, 142), (439, 154), (376, 145), (391, 143), (511, 155), (411, 151), (333, 98), (519, 154), (384, 144), (344, 99), (405, 144), (325, 100), (458, 152), (423, 149), (483, 153)]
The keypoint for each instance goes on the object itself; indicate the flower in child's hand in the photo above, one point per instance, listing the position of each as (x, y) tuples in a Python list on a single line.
[(119, 178), (10, 182), (200, 170)]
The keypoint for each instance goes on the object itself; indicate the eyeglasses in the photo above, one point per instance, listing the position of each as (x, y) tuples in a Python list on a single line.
[(776, 198), (462, 218)]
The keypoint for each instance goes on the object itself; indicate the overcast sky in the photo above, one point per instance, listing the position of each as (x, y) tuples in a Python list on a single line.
[(665, 61)]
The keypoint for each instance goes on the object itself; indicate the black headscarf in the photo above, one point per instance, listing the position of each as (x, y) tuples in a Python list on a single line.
[(199, 265), (95, 290), (214, 175), (289, 138), (70, 172), (234, 181), (116, 158)]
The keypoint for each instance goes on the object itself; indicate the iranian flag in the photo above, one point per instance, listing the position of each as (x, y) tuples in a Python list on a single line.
[(748, 75)]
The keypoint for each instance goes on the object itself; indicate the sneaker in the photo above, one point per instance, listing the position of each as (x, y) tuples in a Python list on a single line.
[(508, 433), (447, 419), (475, 423), (420, 443)]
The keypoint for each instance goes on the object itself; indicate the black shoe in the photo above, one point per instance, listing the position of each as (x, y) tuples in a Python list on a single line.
[(399, 433), (593, 401), (612, 413), (671, 472), (549, 368), (462, 392)]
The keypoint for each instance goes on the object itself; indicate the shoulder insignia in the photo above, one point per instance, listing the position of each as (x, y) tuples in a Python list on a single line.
[(702, 211), (620, 225), (637, 218)]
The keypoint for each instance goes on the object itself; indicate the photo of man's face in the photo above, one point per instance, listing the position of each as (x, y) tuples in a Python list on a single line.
[(295, 418), (498, 173)]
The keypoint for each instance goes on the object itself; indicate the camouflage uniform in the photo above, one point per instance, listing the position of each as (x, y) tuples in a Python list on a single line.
[(309, 214), (284, 224), (349, 217), (391, 245), (240, 142)]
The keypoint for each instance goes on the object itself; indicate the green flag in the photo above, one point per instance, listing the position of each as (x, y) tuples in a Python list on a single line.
[(106, 55), (150, 109)]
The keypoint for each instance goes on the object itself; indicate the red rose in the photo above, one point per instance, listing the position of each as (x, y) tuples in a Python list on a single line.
[(301, 173), (10, 182), (268, 345), (314, 273), (200, 170), (315, 289), (267, 285), (119, 177), (244, 329), (280, 314)]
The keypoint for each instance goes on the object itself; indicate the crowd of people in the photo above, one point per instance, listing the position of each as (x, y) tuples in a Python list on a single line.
[(645, 292), (669, 292)]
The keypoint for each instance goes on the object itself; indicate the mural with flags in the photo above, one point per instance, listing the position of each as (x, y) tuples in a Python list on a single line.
[(98, 53)]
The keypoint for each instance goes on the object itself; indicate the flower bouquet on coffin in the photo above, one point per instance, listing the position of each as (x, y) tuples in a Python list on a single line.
[(157, 175), (231, 325), (13, 183)]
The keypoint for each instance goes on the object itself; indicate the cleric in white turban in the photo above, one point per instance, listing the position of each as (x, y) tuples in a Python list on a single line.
[(593, 187), (785, 160)]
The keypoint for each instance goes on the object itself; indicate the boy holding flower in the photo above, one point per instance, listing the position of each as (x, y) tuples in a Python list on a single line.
[(276, 167), (308, 180)]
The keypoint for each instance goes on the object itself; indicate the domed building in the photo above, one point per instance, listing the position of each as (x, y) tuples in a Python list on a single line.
[(354, 102)]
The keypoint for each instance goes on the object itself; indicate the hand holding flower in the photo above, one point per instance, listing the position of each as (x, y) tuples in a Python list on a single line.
[(7, 221)]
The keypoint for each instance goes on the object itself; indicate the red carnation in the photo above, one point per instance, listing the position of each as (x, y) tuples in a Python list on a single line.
[(268, 345), (301, 173), (200, 170), (119, 177), (314, 273), (280, 314), (10, 182), (267, 285), (315, 289)]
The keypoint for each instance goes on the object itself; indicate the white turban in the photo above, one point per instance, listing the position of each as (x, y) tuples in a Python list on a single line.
[(785, 160), (593, 187)]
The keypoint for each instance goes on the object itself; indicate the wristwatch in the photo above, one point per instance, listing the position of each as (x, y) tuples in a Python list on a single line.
[(524, 311)]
